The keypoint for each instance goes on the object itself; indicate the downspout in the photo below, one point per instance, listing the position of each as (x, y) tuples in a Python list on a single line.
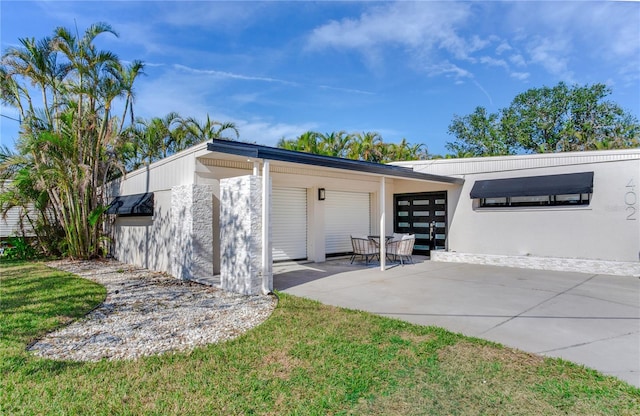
[(266, 223)]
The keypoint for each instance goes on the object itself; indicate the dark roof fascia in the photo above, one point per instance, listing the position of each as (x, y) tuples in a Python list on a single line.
[(284, 155)]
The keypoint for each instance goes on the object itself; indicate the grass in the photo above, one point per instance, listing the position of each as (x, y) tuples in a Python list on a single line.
[(307, 358)]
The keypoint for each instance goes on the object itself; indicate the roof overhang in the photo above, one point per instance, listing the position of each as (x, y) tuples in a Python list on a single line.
[(250, 150), (570, 183)]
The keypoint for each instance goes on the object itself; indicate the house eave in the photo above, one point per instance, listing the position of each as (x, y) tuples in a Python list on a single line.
[(255, 151)]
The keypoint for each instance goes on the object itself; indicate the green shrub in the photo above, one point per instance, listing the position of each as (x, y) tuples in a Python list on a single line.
[(18, 248)]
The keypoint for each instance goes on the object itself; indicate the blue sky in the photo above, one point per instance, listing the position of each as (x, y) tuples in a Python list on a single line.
[(403, 69)]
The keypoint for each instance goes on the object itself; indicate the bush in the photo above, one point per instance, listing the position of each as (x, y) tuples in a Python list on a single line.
[(18, 248)]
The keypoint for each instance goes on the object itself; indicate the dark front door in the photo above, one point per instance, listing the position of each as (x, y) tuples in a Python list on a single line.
[(425, 215)]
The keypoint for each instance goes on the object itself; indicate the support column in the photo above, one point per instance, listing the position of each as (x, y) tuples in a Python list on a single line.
[(192, 237), (241, 235), (267, 274), (383, 228)]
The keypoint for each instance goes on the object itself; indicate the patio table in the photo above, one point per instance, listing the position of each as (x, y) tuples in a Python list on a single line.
[(376, 240)]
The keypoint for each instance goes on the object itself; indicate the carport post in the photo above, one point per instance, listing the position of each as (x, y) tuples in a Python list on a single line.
[(266, 225), (383, 214)]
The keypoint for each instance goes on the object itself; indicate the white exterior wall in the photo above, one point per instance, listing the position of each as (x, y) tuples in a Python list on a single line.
[(145, 241), (175, 170), (607, 229), (10, 222)]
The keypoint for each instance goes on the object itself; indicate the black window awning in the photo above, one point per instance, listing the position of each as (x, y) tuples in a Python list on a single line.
[(132, 205), (570, 183)]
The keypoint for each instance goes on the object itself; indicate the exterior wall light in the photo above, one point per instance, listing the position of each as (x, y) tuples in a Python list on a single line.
[(321, 194)]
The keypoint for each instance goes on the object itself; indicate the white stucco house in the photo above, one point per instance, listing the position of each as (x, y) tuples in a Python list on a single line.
[(231, 209)]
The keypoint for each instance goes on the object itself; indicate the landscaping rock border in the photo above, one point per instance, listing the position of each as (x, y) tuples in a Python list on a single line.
[(147, 313)]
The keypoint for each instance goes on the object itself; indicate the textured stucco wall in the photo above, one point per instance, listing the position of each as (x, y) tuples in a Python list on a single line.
[(241, 234), (192, 238)]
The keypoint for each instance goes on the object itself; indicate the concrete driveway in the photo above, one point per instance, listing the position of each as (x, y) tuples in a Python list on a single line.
[(589, 319)]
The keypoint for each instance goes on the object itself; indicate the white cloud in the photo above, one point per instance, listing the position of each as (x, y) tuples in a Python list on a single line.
[(189, 94), (571, 36), (522, 76), (219, 14), (552, 54), (347, 90), (266, 133), (503, 47), (487, 60), (230, 75), (419, 27), (448, 69), (517, 60)]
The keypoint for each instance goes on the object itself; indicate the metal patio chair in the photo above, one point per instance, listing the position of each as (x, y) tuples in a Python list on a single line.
[(364, 247), (402, 248)]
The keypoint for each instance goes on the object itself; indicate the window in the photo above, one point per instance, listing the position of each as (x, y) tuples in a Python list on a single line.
[(536, 201), (139, 205), (535, 191)]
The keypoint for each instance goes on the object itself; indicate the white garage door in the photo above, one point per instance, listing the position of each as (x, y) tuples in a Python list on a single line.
[(289, 222), (345, 214)]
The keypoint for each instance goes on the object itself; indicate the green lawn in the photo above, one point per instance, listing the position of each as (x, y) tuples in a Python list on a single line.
[(307, 358)]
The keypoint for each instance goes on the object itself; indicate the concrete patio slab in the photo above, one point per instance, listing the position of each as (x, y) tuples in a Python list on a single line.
[(590, 319)]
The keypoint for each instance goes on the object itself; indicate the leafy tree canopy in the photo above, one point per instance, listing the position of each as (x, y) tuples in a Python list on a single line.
[(72, 140), (367, 146), (544, 120)]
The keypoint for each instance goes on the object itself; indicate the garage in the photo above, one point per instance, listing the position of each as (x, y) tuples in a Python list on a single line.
[(345, 214), (289, 222)]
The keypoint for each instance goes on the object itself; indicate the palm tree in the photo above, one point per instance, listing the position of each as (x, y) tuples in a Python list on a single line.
[(367, 146), (37, 61), (335, 143), (209, 130), (127, 77), (69, 143), (155, 137), (405, 151)]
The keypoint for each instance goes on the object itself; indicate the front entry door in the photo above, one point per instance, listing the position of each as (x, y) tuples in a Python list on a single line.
[(425, 215)]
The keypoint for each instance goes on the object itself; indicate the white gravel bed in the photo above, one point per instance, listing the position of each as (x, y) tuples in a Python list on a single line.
[(147, 313)]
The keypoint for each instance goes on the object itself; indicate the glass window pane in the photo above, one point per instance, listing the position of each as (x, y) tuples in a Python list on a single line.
[(439, 201), (422, 236), (421, 202), (421, 224), (532, 200), (403, 224), (403, 203), (439, 213), (421, 213), (403, 214), (493, 202)]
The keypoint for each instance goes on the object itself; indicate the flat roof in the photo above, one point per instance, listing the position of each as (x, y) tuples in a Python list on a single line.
[(284, 155)]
